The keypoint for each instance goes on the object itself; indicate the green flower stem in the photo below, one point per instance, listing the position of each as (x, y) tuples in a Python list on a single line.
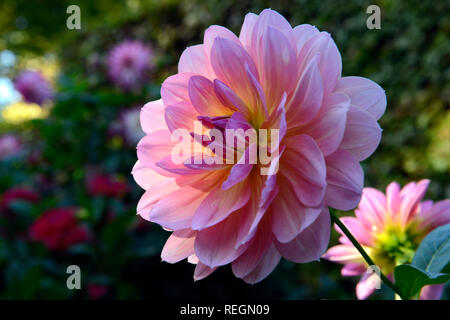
[(366, 257)]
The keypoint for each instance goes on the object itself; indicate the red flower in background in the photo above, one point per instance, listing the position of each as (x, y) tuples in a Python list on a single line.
[(15, 194), (58, 229), (96, 291), (104, 185)]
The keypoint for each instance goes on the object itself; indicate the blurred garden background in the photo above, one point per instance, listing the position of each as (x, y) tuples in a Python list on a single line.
[(65, 162)]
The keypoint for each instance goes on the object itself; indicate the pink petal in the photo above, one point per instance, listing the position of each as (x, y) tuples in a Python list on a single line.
[(153, 194), (433, 292), (242, 168), (194, 60), (229, 98), (393, 199), (367, 285), (265, 266), (176, 210), (231, 62), (330, 124), (204, 99), (303, 166), (362, 133), (177, 248), (345, 180), (353, 269), (269, 18), (277, 65), (245, 36), (152, 117), (357, 229), (202, 271), (343, 254), (365, 94), (303, 33), (219, 204), (330, 64), (214, 32), (175, 88), (215, 246), (290, 216), (255, 252), (307, 98), (372, 209), (310, 244), (437, 215), (411, 200), (181, 115), (145, 176)]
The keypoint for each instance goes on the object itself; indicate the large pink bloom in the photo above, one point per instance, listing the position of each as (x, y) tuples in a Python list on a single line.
[(272, 76), (390, 227)]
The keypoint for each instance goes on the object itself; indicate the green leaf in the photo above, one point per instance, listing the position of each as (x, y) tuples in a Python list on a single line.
[(433, 254), (410, 279), (429, 265)]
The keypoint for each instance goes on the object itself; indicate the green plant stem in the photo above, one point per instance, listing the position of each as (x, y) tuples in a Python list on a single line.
[(366, 257)]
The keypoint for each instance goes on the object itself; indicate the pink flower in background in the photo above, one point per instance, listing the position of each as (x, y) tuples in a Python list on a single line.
[(128, 125), (58, 229), (272, 76), (10, 145), (390, 228), (33, 87), (16, 194), (129, 63), (106, 185)]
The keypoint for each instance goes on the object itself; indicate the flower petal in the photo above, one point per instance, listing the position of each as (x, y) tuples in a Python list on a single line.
[(362, 133), (215, 246), (303, 166), (194, 60), (265, 266), (345, 180), (177, 248), (290, 216), (330, 64), (364, 93), (307, 98), (204, 99), (311, 243), (367, 285), (219, 204), (329, 126), (202, 271), (152, 117)]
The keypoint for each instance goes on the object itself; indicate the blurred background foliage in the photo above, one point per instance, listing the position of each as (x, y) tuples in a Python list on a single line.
[(70, 140)]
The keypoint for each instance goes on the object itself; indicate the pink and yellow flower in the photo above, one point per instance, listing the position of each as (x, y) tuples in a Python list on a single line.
[(272, 76), (390, 228)]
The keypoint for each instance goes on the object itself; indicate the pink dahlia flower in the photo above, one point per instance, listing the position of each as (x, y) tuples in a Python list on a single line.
[(10, 145), (33, 87), (272, 77), (390, 228), (129, 63)]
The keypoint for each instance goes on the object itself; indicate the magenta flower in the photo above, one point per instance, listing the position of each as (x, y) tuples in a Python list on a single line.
[(33, 87), (129, 63), (389, 227), (272, 77), (10, 145)]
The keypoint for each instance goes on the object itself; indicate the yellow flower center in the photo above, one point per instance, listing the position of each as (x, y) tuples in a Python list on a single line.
[(396, 245)]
